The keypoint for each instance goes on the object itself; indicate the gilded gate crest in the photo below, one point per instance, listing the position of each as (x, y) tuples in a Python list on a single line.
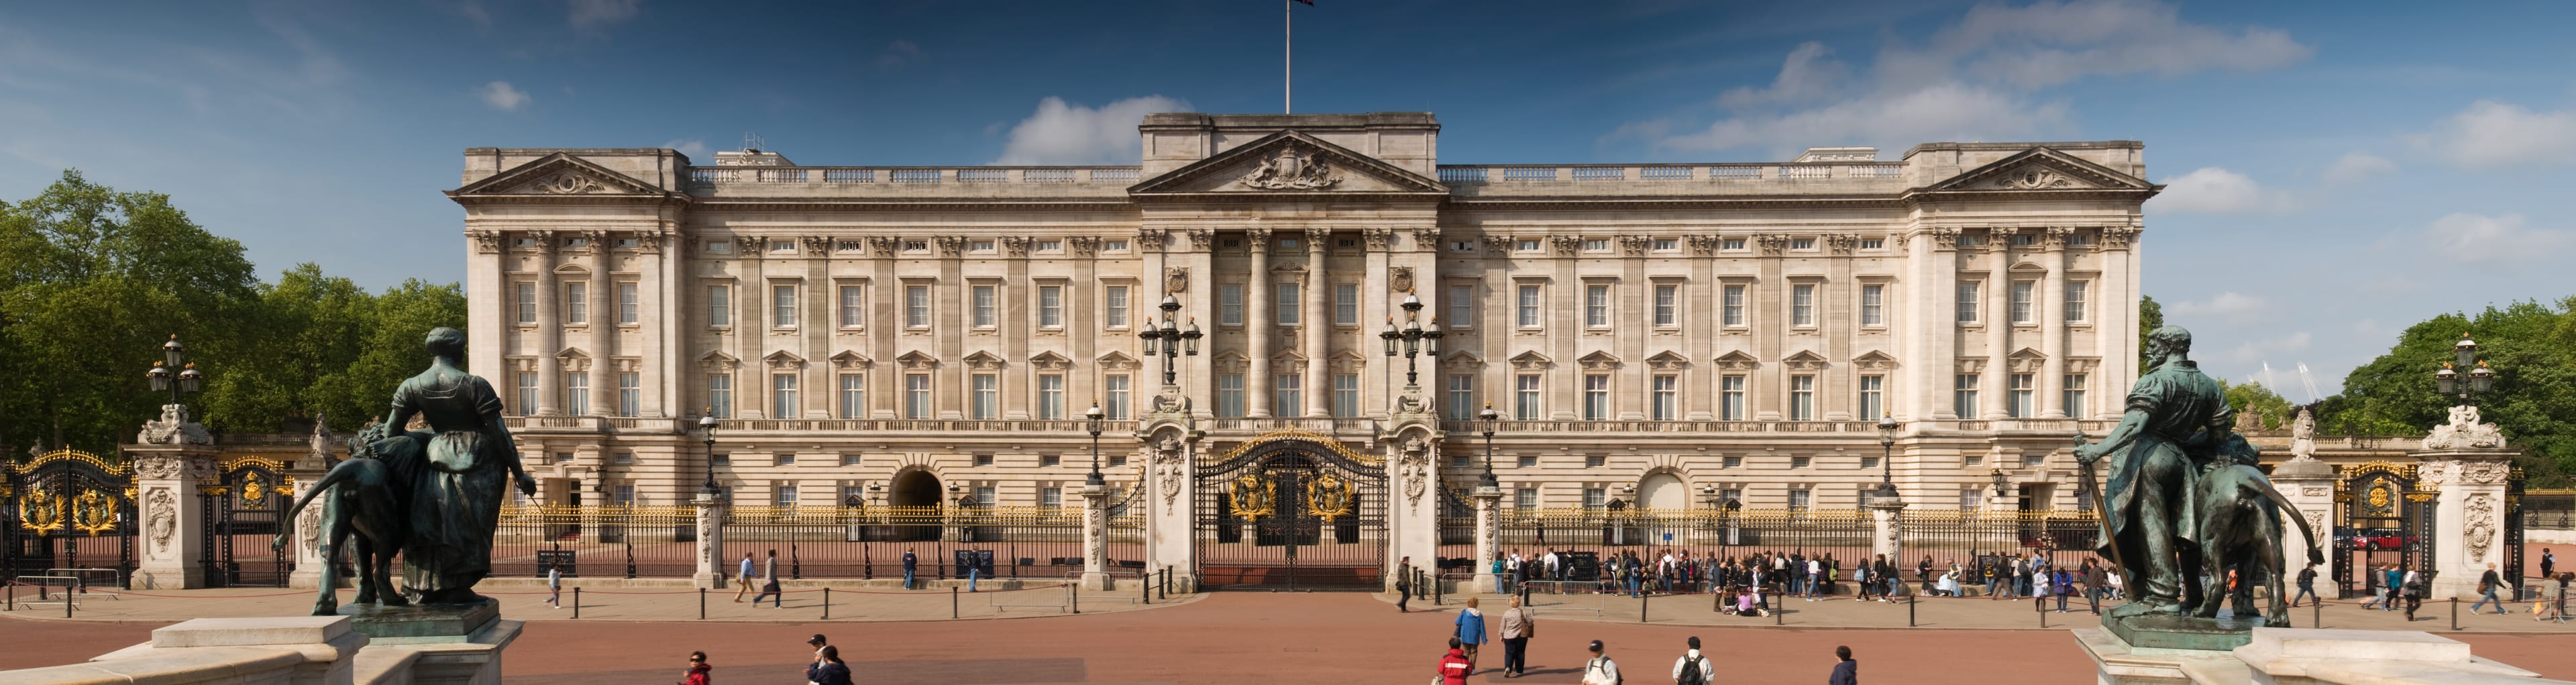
[(1254, 495), (1328, 496)]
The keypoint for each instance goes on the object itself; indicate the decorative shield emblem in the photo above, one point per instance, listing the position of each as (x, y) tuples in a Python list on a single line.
[(254, 492), (40, 511), (1328, 496), (1253, 495), (2380, 498), (93, 513)]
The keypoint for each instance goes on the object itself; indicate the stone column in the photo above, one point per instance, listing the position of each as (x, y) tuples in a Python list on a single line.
[(1887, 529), (711, 569), (1170, 443), (2309, 486), (1489, 537), (1258, 325), (550, 381), (1316, 324), (1994, 388), (2468, 526), (1095, 538), (171, 554), (308, 525), (2051, 303)]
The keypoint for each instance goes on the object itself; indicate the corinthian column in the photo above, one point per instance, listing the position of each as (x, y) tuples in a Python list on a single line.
[(1257, 329), (1317, 324)]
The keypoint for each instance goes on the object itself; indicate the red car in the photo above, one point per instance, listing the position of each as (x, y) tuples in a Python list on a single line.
[(2376, 539)]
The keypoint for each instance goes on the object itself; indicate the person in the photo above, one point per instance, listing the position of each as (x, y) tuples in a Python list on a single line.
[(2548, 564), (1600, 670), (1693, 668), (769, 583), (1748, 602), (2307, 586), (1454, 666), (742, 579), (1860, 577), (2093, 589), (1846, 671), (555, 586), (1923, 572), (909, 563), (2377, 578), (2488, 584), (2558, 604), (2396, 580), (1471, 631), (1403, 584), (697, 673), (1516, 634), (817, 643), (1949, 584), (2413, 588), (455, 472), (828, 668), (2062, 584)]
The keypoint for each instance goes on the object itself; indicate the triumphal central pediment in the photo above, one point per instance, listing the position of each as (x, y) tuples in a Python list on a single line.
[(1289, 162)]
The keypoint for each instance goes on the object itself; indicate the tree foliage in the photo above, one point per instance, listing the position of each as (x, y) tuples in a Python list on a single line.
[(2151, 316), (2253, 397), (2530, 345)]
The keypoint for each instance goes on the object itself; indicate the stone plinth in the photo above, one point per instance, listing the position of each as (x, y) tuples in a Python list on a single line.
[(1887, 529), (2167, 631), (422, 623), (170, 555), (474, 661), (2302, 656), (1095, 538), (314, 650), (711, 571), (1489, 538)]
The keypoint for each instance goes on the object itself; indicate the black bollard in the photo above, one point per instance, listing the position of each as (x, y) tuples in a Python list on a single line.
[(952, 601), (1073, 596), (1909, 609), (2455, 613), (2317, 614), (1641, 608), (576, 602), (827, 602), (702, 604), (2043, 615)]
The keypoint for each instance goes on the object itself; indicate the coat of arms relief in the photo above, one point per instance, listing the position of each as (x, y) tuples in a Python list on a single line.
[(1291, 169)]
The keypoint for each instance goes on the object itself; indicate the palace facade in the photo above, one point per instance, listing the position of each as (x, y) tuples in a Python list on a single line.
[(1660, 335)]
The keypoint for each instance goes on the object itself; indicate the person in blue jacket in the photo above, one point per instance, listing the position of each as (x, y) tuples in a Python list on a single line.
[(1471, 632)]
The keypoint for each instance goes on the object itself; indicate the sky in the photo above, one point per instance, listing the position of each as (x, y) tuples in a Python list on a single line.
[(2335, 171)]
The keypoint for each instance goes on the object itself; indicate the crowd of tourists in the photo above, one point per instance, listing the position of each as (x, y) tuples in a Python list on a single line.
[(1757, 581)]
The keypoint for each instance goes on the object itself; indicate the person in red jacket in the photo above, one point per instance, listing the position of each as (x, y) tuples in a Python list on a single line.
[(698, 668), (1454, 667)]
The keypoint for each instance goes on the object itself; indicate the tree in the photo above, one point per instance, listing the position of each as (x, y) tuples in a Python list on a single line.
[(2151, 316), (2253, 397), (2530, 345)]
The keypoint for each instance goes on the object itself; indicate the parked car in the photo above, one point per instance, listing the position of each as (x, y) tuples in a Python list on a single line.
[(2375, 539)]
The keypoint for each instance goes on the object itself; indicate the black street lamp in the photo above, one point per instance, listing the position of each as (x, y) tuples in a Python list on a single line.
[(707, 423), (1092, 416), (1887, 427), (184, 380), (2481, 378), (1491, 419), (1175, 341), (1419, 336)]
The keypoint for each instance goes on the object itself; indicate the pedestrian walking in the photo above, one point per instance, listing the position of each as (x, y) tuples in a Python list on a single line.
[(1516, 634), (2548, 564), (697, 673), (828, 668), (1600, 670), (817, 643), (2093, 589), (2307, 586), (2414, 590), (1403, 584), (909, 563), (742, 579), (1471, 631), (1923, 572), (1693, 668), (769, 582), (554, 585), (2488, 584), (1454, 666), (1846, 670)]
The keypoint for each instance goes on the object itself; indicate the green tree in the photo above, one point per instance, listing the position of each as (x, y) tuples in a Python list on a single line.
[(2253, 397), (2530, 345), (327, 345), (2151, 316)]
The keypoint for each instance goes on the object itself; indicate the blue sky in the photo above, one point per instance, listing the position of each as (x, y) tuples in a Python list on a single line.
[(2338, 170)]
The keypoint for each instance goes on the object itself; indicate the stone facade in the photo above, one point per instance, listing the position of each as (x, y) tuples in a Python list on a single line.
[(1658, 333)]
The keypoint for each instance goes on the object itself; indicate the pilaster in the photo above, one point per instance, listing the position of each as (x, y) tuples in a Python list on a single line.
[(308, 525), (2468, 526), (711, 572), (1412, 445), (1095, 538), (1259, 329), (172, 554), (1887, 530), (1489, 537), (1170, 441), (2308, 484)]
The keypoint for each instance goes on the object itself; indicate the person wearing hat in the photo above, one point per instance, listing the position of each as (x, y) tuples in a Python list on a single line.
[(819, 644), (1600, 670), (1693, 668)]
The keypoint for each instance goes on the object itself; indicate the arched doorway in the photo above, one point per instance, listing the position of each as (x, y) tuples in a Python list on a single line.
[(1292, 509), (914, 506), (1661, 497)]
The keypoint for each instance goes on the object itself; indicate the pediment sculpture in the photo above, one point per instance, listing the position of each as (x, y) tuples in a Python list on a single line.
[(1291, 169)]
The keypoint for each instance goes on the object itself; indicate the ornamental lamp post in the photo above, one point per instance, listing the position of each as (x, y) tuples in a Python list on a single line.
[(1887, 427), (1092, 416), (1174, 341), (707, 423), (184, 380), (1419, 337), (2481, 378), (1491, 419)]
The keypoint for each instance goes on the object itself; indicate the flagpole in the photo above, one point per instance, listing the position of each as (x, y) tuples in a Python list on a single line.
[(1287, 55)]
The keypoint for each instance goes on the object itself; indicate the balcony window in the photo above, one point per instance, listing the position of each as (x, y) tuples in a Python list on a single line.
[(1667, 396), (1287, 395), (1525, 399), (1802, 398), (2023, 404), (986, 395), (854, 396), (1873, 396), (1462, 397), (527, 393), (720, 395), (2074, 395), (1596, 397), (916, 396), (630, 393), (1346, 395), (1113, 401), (1963, 395), (1229, 396), (1730, 398), (1051, 397), (782, 396)]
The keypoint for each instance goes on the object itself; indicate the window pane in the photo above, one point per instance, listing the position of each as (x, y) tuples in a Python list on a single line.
[(2074, 395), (1525, 398), (1051, 306), (782, 400), (2021, 302), (1051, 397), (983, 306), (1730, 397), (1802, 305), (1596, 306), (1873, 397), (1963, 395), (1114, 300), (630, 393), (527, 393), (1287, 396), (1667, 396), (1229, 304), (1287, 303), (782, 302), (1968, 302), (916, 401), (1229, 396), (576, 303), (527, 303), (719, 305), (1596, 397), (1528, 306), (1114, 402), (853, 306), (1734, 306), (1346, 395), (2075, 300), (1802, 398), (987, 397), (1667, 304), (626, 304), (1462, 398), (1462, 306), (720, 396), (1872, 305), (916, 306), (854, 396), (1346, 304)]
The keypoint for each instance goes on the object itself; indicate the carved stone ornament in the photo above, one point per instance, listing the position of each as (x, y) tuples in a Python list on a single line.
[(1399, 279), (2303, 434), (2482, 472), (1176, 280), (568, 183), (1416, 460), (485, 241), (708, 520), (158, 466), (1291, 169), (174, 428), (308, 528), (161, 518), (2035, 178), (2464, 431), (1172, 400), (2480, 533), (1167, 469), (1380, 239)]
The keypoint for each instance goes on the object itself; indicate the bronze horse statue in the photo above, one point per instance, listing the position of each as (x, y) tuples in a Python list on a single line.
[(365, 501), (2240, 528)]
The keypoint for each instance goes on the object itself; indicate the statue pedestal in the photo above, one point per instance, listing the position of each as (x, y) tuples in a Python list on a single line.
[(422, 623), (2164, 631), (2284, 656)]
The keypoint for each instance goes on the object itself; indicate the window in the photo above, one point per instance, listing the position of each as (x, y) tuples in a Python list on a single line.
[(1046, 246), (1458, 460), (2074, 395), (1113, 302), (2021, 309), (1667, 396), (1667, 244), (1229, 396), (1288, 244), (1596, 244), (1346, 304), (786, 459), (916, 246), (1527, 461), (1050, 306), (1801, 462), (854, 306), (563, 458), (1051, 497), (983, 460), (527, 393), (1873, 305), (1462, 306), (916, 396), (1963, 395), (1287, 395), (1733, 462), (986, 392), (1873, 397), (2079, 238), (1113, 245), (1667, 304), (1287, 303), (1730, 244), (1971, 499), (1051, 397), (1525, 400), (2075, 301), (782, 306), (720, 305), (719, 247), (782, 246), (1802, 243), (1346, 395), (2083, 500), (1730, 495), (1730, 398), (1595, 498), (916, 306), (1873, 243), (721, 460), (1525, 498), (1802, 398), (626, 304), (979, 246), (630, 393), (1802, 304), (577, 393), (1968, 302), (851, 246), (1596, 306), (984, 494), (1596, 397), (1868, 461), (782, 396), (1594, 461), (1972, 460), (622, 495), (851, 460), (1229, 304), (576, 303), (1526, 245), (2032, 460), (1528, 314), (1462, 397), (1799, 498), (854, 396), (1113, 404), (1732, 309), (2025, 239), (2023, 405), (720, 395), (982, 306)]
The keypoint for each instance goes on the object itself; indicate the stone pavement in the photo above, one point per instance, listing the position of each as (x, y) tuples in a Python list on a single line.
[(1977, 613), (636, 602)]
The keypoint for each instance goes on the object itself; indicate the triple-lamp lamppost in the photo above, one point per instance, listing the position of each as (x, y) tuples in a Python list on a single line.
[(2481, 378), (1173, 340), (184, 379)]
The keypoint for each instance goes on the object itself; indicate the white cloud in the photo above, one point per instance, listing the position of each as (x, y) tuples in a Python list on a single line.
[(1072, 134), (2477, 238), (590, 14), (2358, 166), (1977, 79), (2215, 190), (694, 148), (501, 96), (2226, 304), (2261, 349), (898, 53), (2492, 134)]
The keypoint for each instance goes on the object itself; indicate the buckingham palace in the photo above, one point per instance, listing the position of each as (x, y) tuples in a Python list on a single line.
[(1653, 335)]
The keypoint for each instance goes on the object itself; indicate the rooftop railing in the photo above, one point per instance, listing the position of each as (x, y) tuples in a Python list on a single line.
[(912, 175), (1479, 174)]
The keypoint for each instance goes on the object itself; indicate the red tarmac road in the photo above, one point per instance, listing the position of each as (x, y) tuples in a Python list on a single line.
[(1239, 638)]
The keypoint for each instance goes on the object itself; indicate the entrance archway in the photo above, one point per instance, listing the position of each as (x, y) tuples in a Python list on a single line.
[(2386, 519), (1661, 499), (1292, 509), (914, 506)]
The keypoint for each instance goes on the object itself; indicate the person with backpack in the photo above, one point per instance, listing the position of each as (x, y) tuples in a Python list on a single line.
[(2307, 586), (2487, 586), (1454, 666), (1471, 631), (1600, 670), (2413, 585), (1403, 584), (1517, 630), (1693, 668), (910, 564)]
